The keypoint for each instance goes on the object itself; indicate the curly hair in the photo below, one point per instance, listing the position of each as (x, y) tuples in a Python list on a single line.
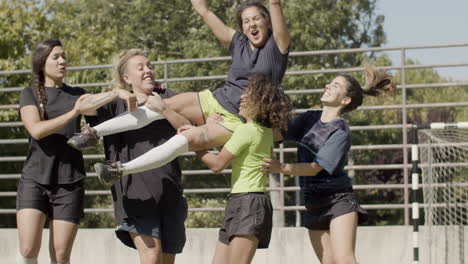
[(266, 103), (119, 67), (39, 57)]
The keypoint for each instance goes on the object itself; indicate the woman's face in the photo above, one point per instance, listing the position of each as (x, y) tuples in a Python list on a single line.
[(243, 107), (335, 93), (255, 26), (55, 65), (139, 75)]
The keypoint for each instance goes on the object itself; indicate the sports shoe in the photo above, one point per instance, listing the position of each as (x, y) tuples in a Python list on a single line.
[(87, 139), (109, 173)]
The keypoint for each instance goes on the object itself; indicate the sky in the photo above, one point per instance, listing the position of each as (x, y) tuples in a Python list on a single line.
[(426, 22)]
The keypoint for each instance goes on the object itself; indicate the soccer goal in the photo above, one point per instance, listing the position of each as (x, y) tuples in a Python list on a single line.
[(443, 163)]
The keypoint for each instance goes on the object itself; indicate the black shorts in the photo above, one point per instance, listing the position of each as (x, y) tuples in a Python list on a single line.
[(323, 208), (58, 202), (248, 214), (167, 225)]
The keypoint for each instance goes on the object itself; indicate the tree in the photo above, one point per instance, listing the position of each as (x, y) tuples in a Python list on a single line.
[(93, 31)]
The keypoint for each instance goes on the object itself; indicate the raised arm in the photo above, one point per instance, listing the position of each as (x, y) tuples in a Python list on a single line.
[(280, 28), (222, 32)]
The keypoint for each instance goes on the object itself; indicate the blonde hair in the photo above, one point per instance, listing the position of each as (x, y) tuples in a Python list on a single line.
[(120, 64)]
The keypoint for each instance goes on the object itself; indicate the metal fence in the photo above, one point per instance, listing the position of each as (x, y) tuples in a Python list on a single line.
[(279, 188)]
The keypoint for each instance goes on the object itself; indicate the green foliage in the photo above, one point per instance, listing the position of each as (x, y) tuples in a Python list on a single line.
[(205, 219), (94, 31)]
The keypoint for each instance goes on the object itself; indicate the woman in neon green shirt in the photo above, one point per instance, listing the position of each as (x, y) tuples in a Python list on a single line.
[(248, 216)]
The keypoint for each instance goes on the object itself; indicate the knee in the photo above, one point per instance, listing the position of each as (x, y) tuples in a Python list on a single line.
[(195, 138), (29, 251), (62, 255)]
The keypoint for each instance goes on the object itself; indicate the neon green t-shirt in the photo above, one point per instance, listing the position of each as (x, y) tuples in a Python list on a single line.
[(250, 143)]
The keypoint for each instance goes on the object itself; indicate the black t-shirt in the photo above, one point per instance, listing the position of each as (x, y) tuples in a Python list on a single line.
[(50, 160), (267, 60), (140, 193), (324, 143)]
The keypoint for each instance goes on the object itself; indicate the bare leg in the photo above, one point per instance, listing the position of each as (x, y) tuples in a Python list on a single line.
[(62, 236), (198, 138), (30, 223), (149, 248), (187, 105), (242, 249), (343, 238), (321, 243), (168, 258), (221, 255)]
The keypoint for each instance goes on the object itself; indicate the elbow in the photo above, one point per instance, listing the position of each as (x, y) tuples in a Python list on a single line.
[(217, 169), (37, 135)]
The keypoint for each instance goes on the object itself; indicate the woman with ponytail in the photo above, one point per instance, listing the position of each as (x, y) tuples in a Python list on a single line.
[(149, 208), (51, 184), (324, 139)]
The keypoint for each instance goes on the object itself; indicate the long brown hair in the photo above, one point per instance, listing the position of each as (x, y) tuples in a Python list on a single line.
[(266, 103), (263, 10), (40, 54), (378, 83)]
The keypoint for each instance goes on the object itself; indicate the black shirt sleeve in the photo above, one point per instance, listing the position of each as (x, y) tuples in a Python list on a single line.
[(27, 97), (334, 151), (295, 128)]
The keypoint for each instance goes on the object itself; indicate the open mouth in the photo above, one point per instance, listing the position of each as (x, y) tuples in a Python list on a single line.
[(255, 33)]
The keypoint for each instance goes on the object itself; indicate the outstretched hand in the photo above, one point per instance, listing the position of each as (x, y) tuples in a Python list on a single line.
[(200, 6), (271, 166), (155, 103), (129, 97), (82, 105)]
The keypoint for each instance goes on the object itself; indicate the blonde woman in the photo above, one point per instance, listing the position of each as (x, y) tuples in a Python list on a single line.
[(149, 208)]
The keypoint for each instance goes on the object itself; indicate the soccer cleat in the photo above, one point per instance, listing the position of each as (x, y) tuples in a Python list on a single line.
[(109, 173), (87, 139)]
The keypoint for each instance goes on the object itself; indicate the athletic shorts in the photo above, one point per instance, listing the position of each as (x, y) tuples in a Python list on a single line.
[(323, 208), (168, 226), (209, 105), (247, 214), (59, 202)]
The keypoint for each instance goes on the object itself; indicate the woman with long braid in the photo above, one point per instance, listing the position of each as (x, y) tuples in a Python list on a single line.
[(51, 184)]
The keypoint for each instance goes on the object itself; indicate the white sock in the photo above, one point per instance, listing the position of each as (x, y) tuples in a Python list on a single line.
[(158, 156), (52, 262), (22, 260), (139, 118)]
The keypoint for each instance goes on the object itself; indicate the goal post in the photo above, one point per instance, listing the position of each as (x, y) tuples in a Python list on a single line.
[(440, 153)]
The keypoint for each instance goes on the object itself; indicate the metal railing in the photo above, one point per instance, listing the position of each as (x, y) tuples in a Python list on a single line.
[(404, 106)]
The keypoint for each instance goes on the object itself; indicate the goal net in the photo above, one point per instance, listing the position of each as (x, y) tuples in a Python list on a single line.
[(444, 166)]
